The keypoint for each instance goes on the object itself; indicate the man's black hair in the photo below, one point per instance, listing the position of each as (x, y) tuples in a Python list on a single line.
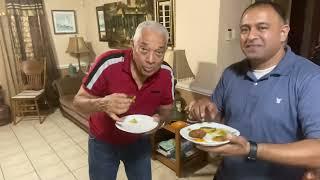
[(277, 8)]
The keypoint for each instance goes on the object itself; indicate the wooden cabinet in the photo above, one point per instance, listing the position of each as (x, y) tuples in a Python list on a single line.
[(179, 163)]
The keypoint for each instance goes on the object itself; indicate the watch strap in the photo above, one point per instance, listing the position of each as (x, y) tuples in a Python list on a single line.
[(252, 156)]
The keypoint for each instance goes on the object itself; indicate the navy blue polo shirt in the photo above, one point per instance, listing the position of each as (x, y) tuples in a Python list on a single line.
[(280, 107)]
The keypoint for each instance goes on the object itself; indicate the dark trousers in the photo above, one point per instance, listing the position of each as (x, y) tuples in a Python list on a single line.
[(104, 159)]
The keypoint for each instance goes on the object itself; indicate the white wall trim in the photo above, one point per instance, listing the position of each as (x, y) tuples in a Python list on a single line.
[(187, 86)]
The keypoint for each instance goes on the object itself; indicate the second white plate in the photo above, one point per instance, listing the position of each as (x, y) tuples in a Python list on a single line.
[(207, 140)]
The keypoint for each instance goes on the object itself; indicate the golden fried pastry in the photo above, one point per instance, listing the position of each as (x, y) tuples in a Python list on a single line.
[(208, 129), (219, 138), (197, 133)]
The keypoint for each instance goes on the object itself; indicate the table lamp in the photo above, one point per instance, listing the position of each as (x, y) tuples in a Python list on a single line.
[(181, 70), (77, 47)]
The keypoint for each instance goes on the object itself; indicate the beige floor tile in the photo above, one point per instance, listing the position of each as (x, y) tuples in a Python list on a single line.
[(68, 176), (1, 175), (29, 176), (121, 173), (84, 145), (62, 144), (45, 161), (36, 152), (163, 173), (77, 162), (82, 173), (9, 142), (155, 164), (55, 137), (14, 159), (70, 152), (6, 135), (17, 170), (6, 128), (205, 173), (52, 172), (34, 144), (10, 150), (79, 137)]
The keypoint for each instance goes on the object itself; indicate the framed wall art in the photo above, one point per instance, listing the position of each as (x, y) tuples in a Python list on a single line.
[(122, 18), (101, 23), (64, 21)]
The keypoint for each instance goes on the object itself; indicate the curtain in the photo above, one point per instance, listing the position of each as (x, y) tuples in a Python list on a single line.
[(31, 39), (8, 78)]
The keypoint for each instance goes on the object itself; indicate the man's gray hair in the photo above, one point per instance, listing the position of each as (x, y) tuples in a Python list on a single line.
[(155, 26)]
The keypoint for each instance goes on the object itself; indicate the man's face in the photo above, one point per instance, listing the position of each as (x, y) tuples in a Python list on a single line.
[(148, 52), (262, 33)]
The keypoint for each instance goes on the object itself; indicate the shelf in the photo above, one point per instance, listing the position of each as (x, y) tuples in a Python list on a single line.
[(179, 163)]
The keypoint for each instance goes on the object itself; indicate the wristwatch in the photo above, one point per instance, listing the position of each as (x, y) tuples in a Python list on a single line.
[(252, 156)]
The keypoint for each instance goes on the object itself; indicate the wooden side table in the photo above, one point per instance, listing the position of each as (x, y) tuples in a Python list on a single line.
[(179, 163)]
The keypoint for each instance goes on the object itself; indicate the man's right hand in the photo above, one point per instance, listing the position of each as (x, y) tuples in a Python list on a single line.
[(115, 104), (202, 109)]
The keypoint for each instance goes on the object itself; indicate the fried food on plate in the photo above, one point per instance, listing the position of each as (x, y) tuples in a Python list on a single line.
[(197, 133), (208, 129)]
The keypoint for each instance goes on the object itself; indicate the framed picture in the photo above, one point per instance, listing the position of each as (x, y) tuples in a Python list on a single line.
[(64, 21), (123, 17), (101, 23)]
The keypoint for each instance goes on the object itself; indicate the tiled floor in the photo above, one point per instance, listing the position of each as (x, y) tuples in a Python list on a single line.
[(58, 150)]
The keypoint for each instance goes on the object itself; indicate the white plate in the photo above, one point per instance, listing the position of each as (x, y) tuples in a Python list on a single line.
[(207, 139), (137, 124)]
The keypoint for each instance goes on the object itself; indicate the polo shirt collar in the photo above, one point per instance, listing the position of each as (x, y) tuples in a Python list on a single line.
[(282, 69)]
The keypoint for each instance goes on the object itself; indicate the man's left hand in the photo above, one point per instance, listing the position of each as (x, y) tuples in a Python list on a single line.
[(238, 146), (156, 118)]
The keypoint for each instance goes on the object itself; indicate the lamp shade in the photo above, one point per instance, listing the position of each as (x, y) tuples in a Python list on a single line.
[(178, 61), (77, 46)]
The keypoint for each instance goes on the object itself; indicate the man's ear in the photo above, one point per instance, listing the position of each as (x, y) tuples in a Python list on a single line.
[(284, 32)]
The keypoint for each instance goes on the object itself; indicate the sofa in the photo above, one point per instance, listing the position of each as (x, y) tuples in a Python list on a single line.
[(67, 87)]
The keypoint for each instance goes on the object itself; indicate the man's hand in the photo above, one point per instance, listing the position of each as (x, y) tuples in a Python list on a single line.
[(156, 117), (238, 146), (115, 104), (311, 174), (202, 109)]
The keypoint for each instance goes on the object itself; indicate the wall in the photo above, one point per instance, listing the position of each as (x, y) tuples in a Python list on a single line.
[(61, 40), (207, 50), (229, 51), (200, 28)]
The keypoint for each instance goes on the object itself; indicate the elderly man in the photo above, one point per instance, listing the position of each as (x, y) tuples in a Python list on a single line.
[(272, 97), (106, 94)]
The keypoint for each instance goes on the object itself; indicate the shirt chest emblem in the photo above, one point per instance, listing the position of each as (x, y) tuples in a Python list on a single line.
[(278, 100)]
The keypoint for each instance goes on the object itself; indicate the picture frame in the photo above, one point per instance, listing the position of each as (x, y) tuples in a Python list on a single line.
[(101, 23), (64, 21), (122, 18), (164, 14)]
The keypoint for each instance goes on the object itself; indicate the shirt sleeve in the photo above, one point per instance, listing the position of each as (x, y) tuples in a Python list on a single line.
[(168, 89), (94, 82), (308, 107), (218, 94)]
